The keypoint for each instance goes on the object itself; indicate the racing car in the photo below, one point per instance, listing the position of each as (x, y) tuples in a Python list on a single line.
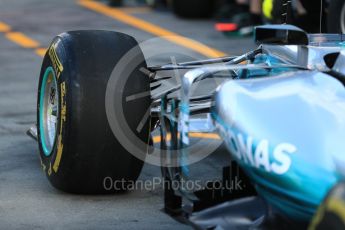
[(279, 110)]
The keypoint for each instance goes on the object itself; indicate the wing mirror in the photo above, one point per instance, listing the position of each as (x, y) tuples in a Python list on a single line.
[(280, 35)]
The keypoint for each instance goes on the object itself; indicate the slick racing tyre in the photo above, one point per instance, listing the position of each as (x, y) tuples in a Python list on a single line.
[(193, 8), (336, 17), (331, 214), (78, 149)]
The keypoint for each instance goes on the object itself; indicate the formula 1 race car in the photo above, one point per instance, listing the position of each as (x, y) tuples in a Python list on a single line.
[(279, 110)]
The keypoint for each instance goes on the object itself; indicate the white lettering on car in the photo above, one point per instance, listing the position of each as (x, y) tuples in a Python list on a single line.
[(259, 156)]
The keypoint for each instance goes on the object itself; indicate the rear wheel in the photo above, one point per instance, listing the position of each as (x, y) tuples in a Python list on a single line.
[(78, 150), (116, 2), (193, 8)]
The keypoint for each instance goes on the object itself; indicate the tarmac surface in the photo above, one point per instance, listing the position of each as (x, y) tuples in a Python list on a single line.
[(27, 200)]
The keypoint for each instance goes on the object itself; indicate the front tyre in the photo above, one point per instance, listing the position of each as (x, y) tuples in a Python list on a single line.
[(79, 152)]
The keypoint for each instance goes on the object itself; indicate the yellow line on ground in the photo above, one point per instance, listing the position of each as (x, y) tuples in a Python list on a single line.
[(205, 135), (148, 27), (4, 27), (22, 40), (41, 51), (213, 136), (156, 139)]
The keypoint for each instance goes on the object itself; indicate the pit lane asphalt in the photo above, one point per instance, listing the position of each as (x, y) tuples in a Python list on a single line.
[(27, 201)]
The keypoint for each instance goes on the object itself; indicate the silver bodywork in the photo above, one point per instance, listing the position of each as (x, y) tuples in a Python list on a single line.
[(235, 109)]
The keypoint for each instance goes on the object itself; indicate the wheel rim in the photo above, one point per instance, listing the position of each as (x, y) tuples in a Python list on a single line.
[(49, 109), (342, 19)]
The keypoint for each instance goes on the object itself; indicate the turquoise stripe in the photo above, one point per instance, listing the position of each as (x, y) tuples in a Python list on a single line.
[(49, 70)]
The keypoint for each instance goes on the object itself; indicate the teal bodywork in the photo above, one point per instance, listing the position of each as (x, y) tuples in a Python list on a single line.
[(286, 132)]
